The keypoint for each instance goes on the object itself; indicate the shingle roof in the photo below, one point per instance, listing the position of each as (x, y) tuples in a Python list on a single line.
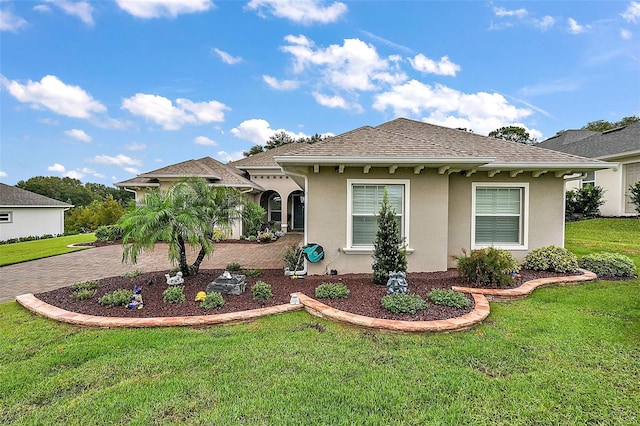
[(404, 138), (206, 167), (11, 196), (597, 144), (265, 159)]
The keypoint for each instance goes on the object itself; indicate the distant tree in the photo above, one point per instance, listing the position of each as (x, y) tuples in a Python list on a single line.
[(62, 189), (513, 134), (312, 139), (282, 138), (256, 149), (103, 192), (89, 218), (279, 139), (603, 125), (464, 129)]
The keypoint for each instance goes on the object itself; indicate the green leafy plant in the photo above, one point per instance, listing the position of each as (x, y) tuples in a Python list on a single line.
[(219, 235), (266, 236), (635, 195), (213, 300), (107, 233), (403, 303), (85, 285), (551, 258), (83, 294), (332, 291), (233, 267), (292, 258), (261, 291), (252, 238), (174, 294), (252, 272), (388, 255), (449, 298), (584, 203), (252, 217), (608, 264), (133, 274), (118, 298), (488, 266)]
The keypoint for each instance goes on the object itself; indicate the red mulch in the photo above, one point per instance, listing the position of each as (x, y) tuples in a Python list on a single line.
[(364, 298)]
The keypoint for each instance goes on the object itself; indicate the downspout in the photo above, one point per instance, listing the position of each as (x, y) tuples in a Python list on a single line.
[(564, 205), (306, 222)]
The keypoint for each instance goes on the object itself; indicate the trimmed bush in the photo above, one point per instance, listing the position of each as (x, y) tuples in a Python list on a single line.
[(108, 233), (83, 294), (85, 285), (488, 266), (252, 272), (261, 291), (551, 258), (174, 294), (133, 274), (213, 300), (332, 291), (449, 298), (219, 235), (608, 264), (118, 298), (404, 303), (233, 267)]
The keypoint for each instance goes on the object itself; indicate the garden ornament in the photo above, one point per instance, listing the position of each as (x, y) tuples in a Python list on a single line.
[(136, 299), (397, 283), (295, 300), (174, 280)]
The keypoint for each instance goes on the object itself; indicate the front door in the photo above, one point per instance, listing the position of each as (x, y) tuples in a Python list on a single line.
[(298, 212)]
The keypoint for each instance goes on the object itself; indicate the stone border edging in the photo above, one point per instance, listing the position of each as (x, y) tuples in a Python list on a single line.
[(39, 307), (479, 313), (505, 295)]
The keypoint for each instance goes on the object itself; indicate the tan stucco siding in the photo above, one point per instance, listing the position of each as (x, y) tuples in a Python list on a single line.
[(327, 203), (616, 185), (545, 217)]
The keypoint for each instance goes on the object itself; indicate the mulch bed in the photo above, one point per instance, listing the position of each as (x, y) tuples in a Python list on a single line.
[(364, 298)]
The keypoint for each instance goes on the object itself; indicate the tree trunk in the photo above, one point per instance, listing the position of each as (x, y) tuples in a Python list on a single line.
[(195, 268), (184, 267)]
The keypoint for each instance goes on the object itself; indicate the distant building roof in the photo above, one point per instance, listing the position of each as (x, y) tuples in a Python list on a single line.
[(612, 143), (11, 196), (214, 171)]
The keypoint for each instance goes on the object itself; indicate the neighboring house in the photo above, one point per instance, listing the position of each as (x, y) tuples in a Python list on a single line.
[(621, 145), (24, 214), (452, 191)]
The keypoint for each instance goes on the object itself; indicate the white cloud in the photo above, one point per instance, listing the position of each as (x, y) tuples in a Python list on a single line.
[(625, 34), (336, 102), (77, 134), (81, 9), (162, 111), (575, 28), (544, 23), (74, 174), (225, 156), (203, 140), (355, 65), (274, 83), (502, 12), (132, 170), (442, 105), (632, 14), (226, 57), (119, 160), (42, 8), (9, 21), (136, 147), (259, 131), (300, 11), (148, 9), (427, 65), (3, 174), (55, 95), (92, 172)]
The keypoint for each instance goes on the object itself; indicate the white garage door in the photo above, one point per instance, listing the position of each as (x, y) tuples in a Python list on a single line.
[(632, 176)]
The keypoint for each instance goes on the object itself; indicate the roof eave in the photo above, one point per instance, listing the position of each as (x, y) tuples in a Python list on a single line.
[(595, 165), (330, 160), (178, 175), (618, 155)]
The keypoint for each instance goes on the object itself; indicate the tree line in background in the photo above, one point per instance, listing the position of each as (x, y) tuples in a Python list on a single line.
[(279, 139)]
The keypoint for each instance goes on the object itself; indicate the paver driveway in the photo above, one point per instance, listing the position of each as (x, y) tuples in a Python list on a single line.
[(99, 262)]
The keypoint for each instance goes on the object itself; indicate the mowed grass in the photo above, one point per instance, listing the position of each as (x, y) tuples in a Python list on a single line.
[(31, 250), (598, 235), (564, 356)]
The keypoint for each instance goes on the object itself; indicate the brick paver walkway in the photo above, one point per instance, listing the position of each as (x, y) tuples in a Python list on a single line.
[(59, 271)]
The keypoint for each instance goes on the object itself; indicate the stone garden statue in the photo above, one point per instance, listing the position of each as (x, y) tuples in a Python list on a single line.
[(397, 283), (174, 280)]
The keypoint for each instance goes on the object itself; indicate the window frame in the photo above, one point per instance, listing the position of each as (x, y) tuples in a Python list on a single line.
[(524, 215), (270, 208), (405, 215), (586, 181), (9, 215)]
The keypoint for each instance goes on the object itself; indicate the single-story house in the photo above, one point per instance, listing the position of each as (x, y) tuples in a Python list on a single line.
[(452, 190), (620, 145), (24, 214)]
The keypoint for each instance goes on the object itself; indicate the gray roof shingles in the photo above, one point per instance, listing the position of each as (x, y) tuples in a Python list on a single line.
[(266, 158), (11, 196), (597, 144)]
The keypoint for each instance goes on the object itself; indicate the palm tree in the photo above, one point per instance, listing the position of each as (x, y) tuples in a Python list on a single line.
[(184, 215)]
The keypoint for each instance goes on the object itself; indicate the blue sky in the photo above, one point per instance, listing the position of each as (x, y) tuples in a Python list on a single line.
[(104, 90)]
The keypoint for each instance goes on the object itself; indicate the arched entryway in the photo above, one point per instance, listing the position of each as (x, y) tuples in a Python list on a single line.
[(296, 203), (271, 202)]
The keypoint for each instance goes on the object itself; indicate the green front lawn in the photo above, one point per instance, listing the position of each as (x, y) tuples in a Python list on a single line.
[(31, 250), (612, 235), (563, 356)]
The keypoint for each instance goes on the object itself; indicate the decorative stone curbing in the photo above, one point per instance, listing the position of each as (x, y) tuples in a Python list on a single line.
[(464, 322), (505, 295)]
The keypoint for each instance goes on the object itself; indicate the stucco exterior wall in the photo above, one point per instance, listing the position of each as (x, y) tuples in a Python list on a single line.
[(616, 186), (276, 180), (327, 203), (28, 221), (545, 217)]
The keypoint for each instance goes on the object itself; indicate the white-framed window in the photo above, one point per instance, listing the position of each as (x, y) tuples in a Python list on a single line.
[(364, 197), (500, 215), (6, 217), (275, 208), (589, 179)]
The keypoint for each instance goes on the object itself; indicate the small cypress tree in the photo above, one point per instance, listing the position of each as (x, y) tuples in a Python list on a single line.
[(388, 255)]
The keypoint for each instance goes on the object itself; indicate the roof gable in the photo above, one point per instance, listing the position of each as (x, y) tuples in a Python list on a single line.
[(11, 196)]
